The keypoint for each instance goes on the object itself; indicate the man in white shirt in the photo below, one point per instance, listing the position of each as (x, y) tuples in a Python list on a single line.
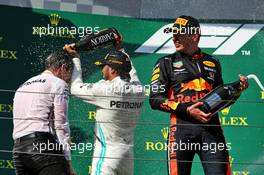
[(41, 129), (119, 98)]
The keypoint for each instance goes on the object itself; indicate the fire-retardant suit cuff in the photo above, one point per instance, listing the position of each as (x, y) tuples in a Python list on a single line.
[(181, 110)]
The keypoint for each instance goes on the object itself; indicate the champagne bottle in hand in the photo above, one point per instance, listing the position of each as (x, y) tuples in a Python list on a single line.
[(220, 97), (99, 40)]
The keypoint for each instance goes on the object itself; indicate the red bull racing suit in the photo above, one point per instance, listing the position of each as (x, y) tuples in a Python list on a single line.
[(178, 81)]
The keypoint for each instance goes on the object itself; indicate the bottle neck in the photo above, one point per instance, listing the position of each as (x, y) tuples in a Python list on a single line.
[(235, 84)]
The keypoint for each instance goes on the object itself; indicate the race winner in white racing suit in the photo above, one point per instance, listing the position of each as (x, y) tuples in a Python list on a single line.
[(118, 102)]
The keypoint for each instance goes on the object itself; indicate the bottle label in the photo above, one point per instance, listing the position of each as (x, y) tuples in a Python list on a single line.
[(213, 101), (100, 40)]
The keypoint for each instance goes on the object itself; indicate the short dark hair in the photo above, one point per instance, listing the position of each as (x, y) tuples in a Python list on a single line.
[(57, 59)]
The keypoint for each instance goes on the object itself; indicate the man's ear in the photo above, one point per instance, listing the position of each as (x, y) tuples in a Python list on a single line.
[(59, 71), (113, 71), (195, 37), (63, 67)]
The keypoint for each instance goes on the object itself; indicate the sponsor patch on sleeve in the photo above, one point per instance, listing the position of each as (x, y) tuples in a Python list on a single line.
[(169, 104), (157, 70), (155, 77), (155, 73)]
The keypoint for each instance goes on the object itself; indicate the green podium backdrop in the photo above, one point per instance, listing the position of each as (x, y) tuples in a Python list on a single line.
[(26, 38)]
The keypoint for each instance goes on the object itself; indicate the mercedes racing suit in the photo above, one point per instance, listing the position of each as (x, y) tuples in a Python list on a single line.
[(118, 108), (182, 80)]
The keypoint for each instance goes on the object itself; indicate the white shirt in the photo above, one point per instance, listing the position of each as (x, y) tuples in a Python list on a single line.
[(118, 104), (41, 105)]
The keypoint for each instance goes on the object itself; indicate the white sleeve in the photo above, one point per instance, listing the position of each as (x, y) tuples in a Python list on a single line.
[(133, 72), (90, 92), (61, 121)]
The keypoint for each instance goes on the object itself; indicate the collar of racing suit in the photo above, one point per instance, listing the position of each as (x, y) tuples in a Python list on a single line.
[(196, 55), (119, 78), (114, 79), (47, 72)]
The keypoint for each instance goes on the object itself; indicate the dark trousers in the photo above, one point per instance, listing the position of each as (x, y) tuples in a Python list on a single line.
[(29, 160), (213, 151)]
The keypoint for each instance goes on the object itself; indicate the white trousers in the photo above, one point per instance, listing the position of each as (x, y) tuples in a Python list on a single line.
[(112, 159)]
